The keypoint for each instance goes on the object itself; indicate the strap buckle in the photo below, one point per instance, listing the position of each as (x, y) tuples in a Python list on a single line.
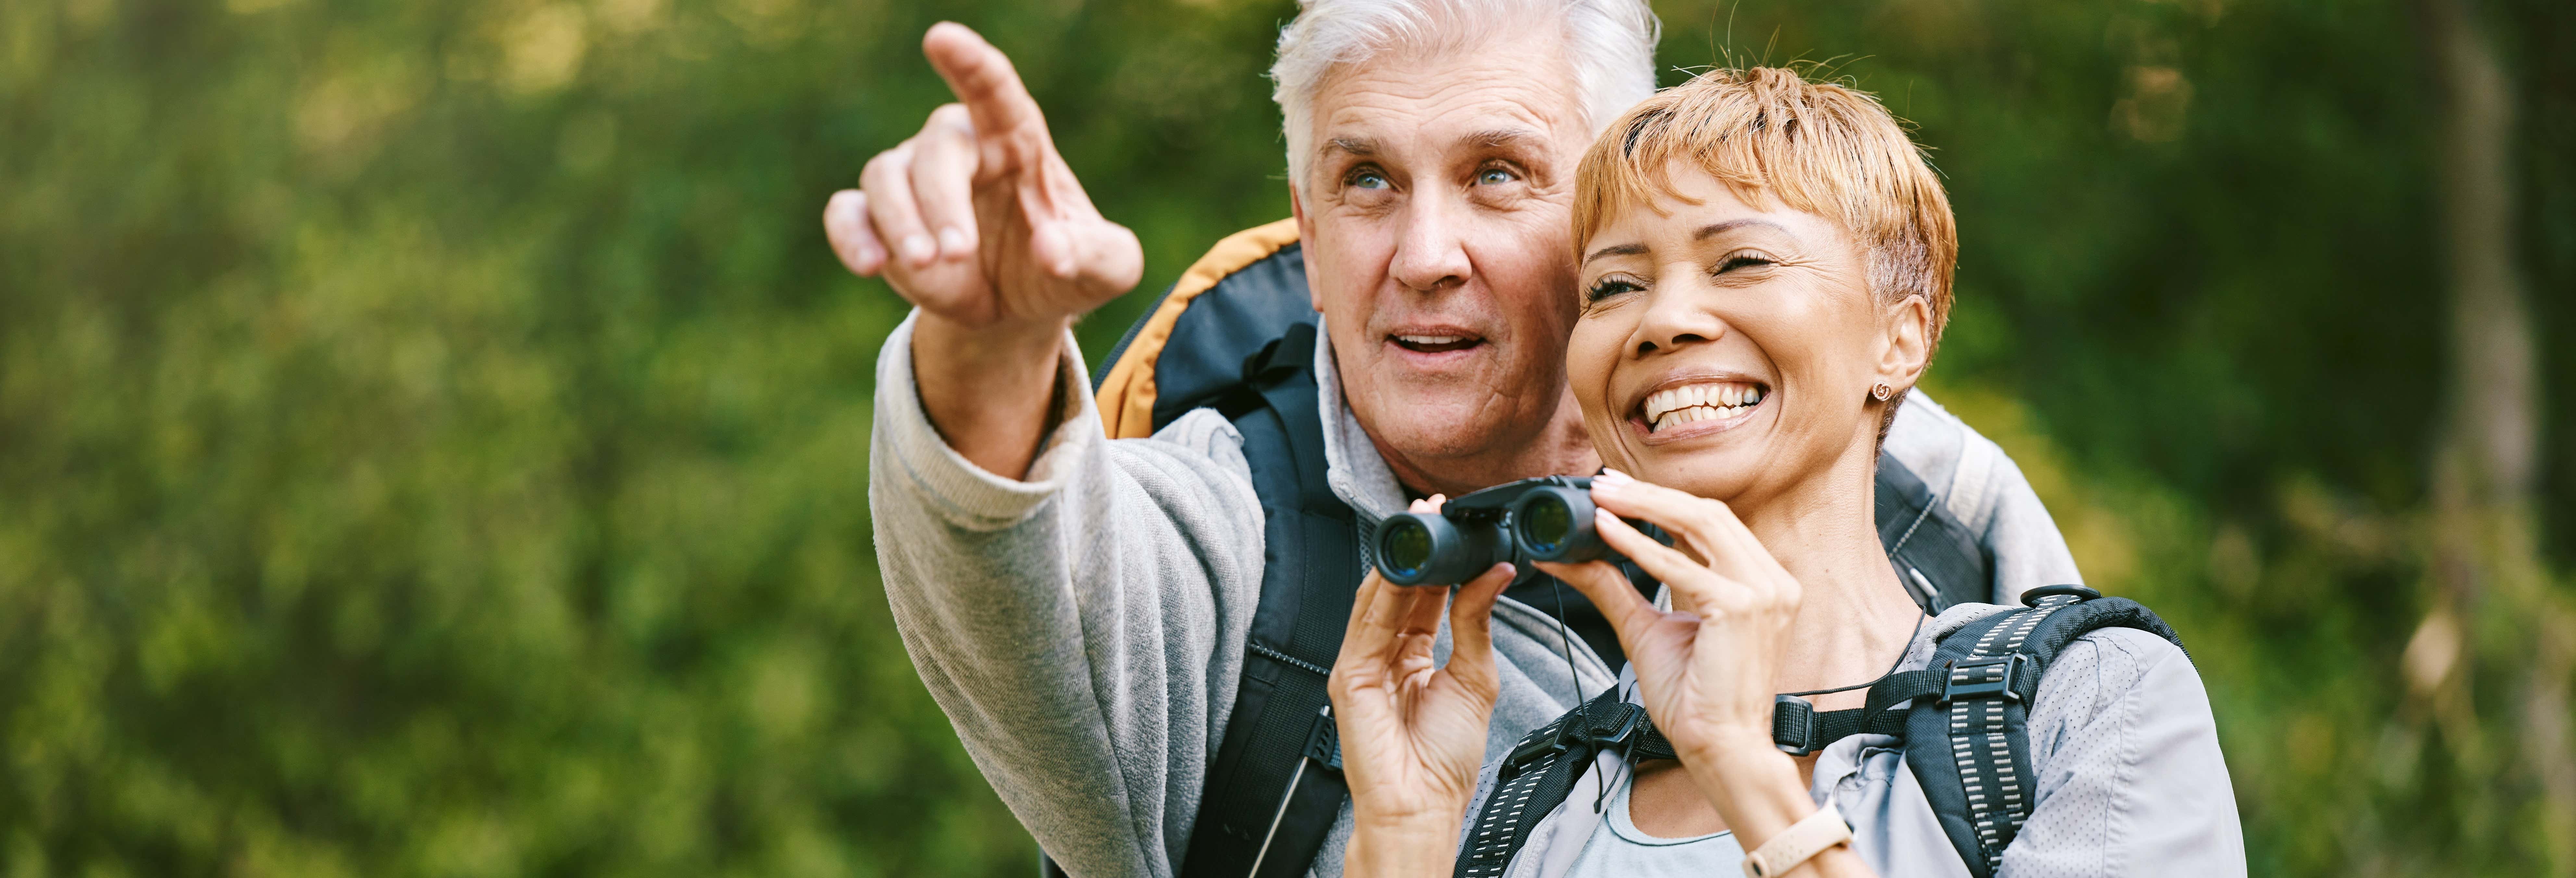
[(1793, 725), (1324, 740), (1621, 726), (1981, 678), (1617, 727), (1542, 742)]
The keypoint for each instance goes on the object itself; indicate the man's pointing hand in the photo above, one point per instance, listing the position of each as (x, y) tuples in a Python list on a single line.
[(976, 219)]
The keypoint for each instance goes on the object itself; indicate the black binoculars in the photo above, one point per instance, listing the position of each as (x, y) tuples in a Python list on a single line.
[(1547, 519)]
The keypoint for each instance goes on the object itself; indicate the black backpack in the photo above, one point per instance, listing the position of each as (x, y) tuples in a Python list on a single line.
[(1963, 720), (1237, 334)]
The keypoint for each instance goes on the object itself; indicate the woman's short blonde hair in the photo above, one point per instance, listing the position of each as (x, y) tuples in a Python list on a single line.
[(1817, 147)]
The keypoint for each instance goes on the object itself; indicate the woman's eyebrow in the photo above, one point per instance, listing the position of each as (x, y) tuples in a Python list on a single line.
[(1733, 224), (1616, 250)]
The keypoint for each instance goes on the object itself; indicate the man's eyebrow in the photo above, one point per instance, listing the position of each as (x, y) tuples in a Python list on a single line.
[(1731, 225), (1361, 146), (1499, 137), (1616, 250)]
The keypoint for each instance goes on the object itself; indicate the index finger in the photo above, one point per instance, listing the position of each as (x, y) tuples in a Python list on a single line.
[(983, 79), (1378, 614), (1708, 527)]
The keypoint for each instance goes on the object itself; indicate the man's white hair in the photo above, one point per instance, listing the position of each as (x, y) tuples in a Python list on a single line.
[(1610, 44)]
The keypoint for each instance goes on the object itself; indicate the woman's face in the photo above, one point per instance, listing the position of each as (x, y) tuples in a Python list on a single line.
[(1728, 351)]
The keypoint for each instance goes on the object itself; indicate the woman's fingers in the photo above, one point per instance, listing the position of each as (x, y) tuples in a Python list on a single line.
[(1368, 639), (1704, 588), (1471, 630), (1391, 615), (1611, 592), (1381, 613), (1361, 602), (1708, 528)]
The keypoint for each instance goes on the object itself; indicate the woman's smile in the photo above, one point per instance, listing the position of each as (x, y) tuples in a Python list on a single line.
[(1687, 406)]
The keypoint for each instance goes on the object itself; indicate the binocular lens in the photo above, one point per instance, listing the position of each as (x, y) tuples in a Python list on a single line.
[(1546, 524), (1405, 547), (1546, 519)]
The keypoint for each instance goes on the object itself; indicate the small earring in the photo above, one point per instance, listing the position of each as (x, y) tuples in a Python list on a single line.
[(1881, 391)]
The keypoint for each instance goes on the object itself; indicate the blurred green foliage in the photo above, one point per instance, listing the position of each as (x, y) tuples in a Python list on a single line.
[(432, 434)]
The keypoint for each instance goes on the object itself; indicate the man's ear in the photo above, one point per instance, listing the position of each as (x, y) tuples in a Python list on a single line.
[(1909, 342), (1306, 254)]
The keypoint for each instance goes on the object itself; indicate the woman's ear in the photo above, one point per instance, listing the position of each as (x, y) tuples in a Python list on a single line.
[(1909, 342)]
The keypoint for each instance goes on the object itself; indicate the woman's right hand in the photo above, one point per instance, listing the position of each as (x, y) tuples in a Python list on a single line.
[(1413, 735)]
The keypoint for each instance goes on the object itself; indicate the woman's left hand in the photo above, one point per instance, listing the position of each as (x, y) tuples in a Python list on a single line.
[(1413, 731), (1705, 668)]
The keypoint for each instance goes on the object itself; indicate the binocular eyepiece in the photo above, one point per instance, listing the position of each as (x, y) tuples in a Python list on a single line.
[(1545, 519)]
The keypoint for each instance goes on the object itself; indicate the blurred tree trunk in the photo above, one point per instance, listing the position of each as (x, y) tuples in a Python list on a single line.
[(2494, 597)]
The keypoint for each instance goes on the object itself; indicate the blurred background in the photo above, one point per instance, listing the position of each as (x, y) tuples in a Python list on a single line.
[(432, 434)]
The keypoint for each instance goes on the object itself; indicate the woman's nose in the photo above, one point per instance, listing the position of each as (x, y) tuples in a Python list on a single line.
[(1673, 320), (1431, 249)]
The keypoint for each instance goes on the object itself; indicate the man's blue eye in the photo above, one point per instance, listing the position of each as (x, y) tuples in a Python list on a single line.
[(1369, 180), (1494, 177)]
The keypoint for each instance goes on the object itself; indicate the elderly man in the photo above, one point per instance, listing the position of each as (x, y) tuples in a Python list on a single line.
[(1131, 635)]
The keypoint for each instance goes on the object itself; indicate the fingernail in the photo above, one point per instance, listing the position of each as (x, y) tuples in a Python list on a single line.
[(917, 248), (953, 243)]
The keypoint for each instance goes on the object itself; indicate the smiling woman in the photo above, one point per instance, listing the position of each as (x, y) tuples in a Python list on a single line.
[(1765, 266)]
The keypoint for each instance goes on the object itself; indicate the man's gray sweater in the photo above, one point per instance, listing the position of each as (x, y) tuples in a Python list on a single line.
[(1083, 628)]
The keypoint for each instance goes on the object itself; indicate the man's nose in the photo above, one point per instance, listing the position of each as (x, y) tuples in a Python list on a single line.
[(1431, 250)]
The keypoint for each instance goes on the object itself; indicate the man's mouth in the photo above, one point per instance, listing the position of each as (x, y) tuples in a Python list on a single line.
[(1435, 344), (1692, 403)]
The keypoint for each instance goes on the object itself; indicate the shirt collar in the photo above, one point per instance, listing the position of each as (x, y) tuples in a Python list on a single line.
[(1352, 466)]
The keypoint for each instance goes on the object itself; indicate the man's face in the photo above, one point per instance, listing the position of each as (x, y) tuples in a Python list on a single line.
[(1434, 214)]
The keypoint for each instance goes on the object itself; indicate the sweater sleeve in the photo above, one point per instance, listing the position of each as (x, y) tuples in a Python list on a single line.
[(2130, 778), (1083, 628)]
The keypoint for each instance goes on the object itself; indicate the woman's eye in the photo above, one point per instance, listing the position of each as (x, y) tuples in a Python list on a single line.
[(1743, 260), (1609, 286), (1495, 177), (1366, 179)]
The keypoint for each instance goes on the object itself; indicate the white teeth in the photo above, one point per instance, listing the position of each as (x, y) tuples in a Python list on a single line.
[(1701, 402), (1431, 339)]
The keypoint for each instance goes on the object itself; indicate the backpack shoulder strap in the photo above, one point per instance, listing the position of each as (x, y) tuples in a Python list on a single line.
[(1968, 740), (1276, 788), (1941, 564), (1542, 771), (1243, 273)]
